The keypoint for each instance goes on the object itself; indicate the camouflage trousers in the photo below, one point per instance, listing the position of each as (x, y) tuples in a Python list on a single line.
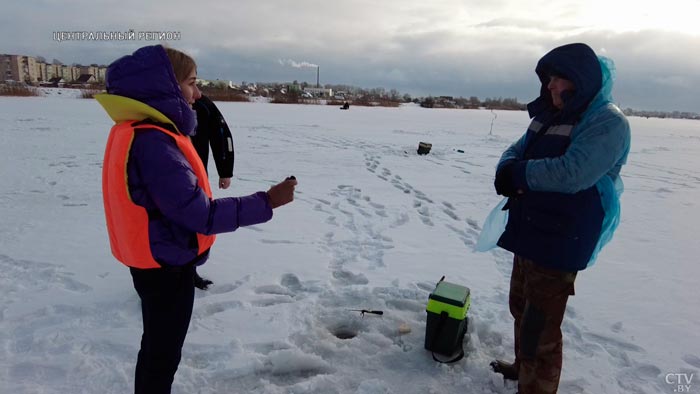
[(537, 301)]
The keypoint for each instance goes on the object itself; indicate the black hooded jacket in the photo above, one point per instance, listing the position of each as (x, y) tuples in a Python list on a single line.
[(213, 131)]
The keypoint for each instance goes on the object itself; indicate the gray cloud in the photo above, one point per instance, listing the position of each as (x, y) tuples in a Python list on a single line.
[(447, 47)]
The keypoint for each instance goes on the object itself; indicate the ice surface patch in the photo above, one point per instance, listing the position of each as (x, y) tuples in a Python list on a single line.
[(358, 236), (294, 361)]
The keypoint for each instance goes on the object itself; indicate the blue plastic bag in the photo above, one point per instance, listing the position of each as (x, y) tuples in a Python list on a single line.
[(493, 228), (609, 191)]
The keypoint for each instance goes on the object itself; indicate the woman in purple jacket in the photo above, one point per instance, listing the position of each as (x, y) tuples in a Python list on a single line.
[(156, 87)]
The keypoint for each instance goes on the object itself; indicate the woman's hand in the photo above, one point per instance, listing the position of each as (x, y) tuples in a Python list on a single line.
[(282, 193)]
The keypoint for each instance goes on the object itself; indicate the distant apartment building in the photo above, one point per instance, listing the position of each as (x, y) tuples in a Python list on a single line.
[(96, 71), (101, 74), (74, 73), (66, 73), (92, 70), (28, 69), (11, 68), (41, 72), (52, 71)]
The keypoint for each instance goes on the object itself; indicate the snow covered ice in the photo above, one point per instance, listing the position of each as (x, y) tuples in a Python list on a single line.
[(374, 226)]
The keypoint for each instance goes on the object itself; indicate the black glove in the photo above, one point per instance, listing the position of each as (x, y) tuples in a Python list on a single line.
[(504, 180), (201, 283)]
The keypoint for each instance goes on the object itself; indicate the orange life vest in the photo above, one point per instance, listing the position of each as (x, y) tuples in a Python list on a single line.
[(127, 223)]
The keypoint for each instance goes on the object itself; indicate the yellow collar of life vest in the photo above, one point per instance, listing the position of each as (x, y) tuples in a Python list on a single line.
[(121, 109)]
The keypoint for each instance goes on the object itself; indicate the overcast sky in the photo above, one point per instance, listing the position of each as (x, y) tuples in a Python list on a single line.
[(485, 48)]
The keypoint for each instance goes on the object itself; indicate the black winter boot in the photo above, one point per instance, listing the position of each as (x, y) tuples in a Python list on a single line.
[(201, 283)]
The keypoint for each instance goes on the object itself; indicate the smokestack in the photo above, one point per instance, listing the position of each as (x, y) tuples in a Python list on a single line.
[(318, 71)]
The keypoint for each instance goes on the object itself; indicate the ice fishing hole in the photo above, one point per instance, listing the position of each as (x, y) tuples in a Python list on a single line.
[(344, 332)]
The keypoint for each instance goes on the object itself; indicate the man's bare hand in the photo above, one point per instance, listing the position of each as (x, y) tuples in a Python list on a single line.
[(224, 183)]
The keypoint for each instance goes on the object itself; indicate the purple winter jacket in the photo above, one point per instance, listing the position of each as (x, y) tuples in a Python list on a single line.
[(160, 178)]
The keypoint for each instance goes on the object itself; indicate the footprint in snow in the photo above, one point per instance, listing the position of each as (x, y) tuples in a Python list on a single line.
[(348, 278)]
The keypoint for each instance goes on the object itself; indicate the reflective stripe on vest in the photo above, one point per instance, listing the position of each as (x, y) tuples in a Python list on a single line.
[(127, 223), (562, 129)]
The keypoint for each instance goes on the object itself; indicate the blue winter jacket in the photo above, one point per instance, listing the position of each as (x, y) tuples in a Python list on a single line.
[(159, 177), (568, 163)]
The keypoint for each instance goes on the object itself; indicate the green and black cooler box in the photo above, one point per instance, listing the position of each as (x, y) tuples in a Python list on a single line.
[(447, 318)]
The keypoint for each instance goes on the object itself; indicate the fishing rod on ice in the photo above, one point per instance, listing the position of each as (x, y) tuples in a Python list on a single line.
[(363, 311)]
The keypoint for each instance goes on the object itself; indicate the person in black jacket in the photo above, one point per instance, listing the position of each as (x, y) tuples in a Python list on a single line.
[(213, 131)]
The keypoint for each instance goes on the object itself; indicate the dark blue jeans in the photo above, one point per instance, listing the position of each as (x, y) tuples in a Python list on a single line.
[(167, 296)]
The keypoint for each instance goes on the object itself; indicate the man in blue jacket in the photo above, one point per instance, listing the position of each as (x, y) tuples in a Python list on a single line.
[(562, 180)]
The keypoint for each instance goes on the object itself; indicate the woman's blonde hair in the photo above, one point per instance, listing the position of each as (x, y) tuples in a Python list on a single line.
[(183, 64)]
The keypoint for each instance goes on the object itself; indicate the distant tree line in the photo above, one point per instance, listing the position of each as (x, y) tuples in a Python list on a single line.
[(291, 93), (662, 114), (471, 103)]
